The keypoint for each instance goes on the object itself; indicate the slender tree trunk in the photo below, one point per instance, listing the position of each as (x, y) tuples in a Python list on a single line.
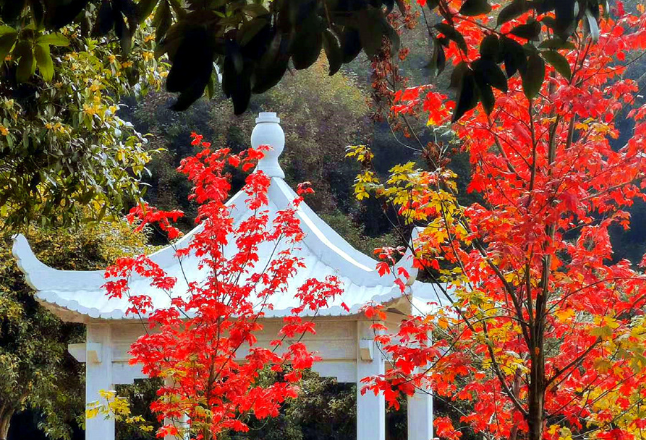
[(537, 379), (518, 377), (5, 420), (535, 410)]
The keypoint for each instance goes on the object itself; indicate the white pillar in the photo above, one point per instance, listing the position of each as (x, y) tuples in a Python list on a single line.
[(180, 424), (420, 416), (420, 412), (371, 409), (98, 376)]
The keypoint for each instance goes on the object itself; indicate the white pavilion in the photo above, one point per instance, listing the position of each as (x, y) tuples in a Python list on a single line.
[(343, 339)]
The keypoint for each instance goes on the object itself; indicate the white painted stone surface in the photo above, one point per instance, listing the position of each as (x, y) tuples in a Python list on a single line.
[(371, 409), (268, 132), (98, 376), (420, 416)]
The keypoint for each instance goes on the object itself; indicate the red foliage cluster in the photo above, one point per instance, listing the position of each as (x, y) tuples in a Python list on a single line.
[(204, 343), (545, 334)]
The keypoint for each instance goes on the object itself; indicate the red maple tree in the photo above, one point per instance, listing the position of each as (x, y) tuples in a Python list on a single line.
[(545, 334), (204, 343)]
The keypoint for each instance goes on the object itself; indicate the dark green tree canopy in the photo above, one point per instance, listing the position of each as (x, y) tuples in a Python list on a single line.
[(65, 154), (253, 41), (67, 63)]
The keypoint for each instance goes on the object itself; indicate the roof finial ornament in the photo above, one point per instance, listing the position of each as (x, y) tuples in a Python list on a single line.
[(269, 132)]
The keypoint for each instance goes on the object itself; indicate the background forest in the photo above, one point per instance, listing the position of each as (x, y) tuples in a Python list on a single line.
[(321, 116)]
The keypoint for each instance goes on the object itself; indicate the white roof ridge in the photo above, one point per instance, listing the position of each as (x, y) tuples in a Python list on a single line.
[(320, 238), (41, 277)]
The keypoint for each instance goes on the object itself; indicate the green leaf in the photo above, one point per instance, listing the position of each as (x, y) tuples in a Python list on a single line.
[(457, 75), (351, 44), (307, 43), (6, 44), (533, 75), (529, 31), (250, 29), (491, 73), (467, 96), (133, 75), (53, 40), (438, 59), (514, 10), (556, 43), (395, 42), (210, 87), (177, 8), (255, 9), (26, 61), (171, 41), (372, 27), (273, 63), (145, 8), (7, 30), (490, 47), (105, 19), (306, 49), (606, 8), (333, 52), (44, 61), (487, 97), (450, 32), (124, 33), (559, 62), (513, 55), (472, 8), (241, 94), (549, 21), (602, 331), (566, 21)]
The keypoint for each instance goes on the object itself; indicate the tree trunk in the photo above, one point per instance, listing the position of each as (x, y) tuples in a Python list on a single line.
[(537, 380), (535, 415), (518, 377), (5, 421)]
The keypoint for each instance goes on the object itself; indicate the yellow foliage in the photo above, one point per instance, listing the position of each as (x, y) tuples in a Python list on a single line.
[(112, 406)]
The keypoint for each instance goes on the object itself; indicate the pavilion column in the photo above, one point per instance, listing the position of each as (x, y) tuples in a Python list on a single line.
[(98, 376), (371, 409), (179, 424), (420, 416), (420, 413)]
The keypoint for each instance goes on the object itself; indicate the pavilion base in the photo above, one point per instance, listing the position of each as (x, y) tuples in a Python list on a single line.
[(346, 347)]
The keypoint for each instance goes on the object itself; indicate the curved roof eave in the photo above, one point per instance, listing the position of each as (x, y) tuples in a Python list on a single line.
[(320, 239)]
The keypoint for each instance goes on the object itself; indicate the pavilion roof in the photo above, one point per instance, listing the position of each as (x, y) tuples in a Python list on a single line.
[(79, 295)]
